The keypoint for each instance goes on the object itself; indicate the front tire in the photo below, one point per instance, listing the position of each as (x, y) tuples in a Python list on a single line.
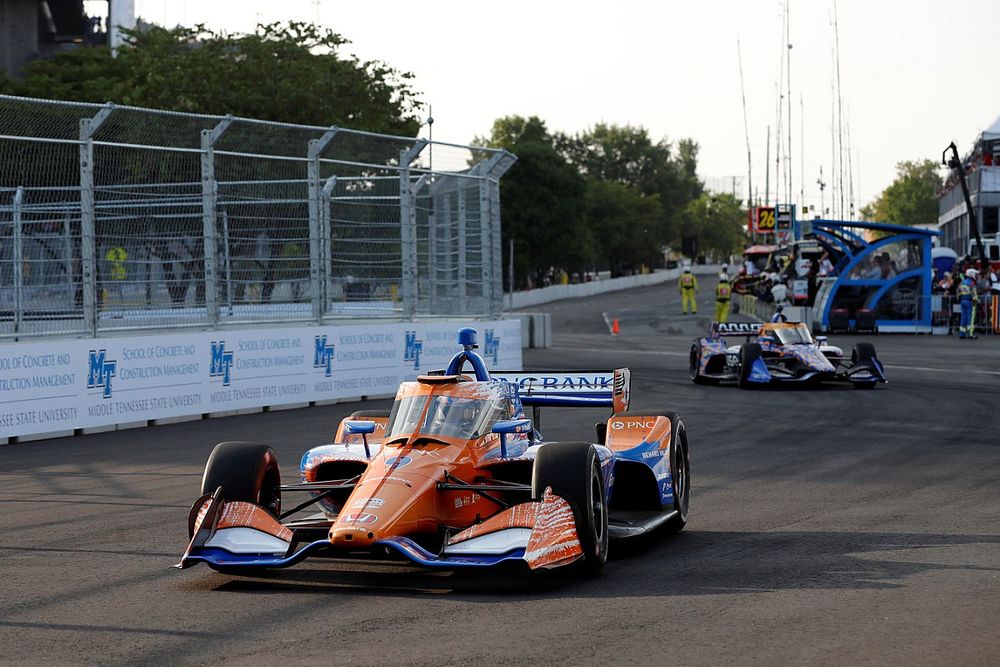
[(694, 366), (749, 353), (863, 353), (247, 472), (573, 471)]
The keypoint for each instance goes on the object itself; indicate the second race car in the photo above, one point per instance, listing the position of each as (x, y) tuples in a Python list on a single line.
[(777, 353)]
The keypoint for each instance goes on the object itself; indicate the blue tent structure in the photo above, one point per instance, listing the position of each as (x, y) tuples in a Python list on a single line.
[(890, 276)]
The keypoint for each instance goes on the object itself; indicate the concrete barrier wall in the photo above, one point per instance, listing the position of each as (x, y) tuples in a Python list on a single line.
[(529, 298), (55, 388)]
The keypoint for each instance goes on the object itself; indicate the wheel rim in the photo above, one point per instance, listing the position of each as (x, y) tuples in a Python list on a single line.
[(269, 497), (597, 508)]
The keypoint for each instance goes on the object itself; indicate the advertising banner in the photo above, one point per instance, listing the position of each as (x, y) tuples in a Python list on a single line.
[(70, 384)]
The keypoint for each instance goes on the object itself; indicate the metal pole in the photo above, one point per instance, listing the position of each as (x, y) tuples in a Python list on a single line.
[(408, 231), (68, 252), (463, 288), (327, 246), (209, 202), (510, 274), (18, 260), (226, 262), (318, 273), (88, 247)]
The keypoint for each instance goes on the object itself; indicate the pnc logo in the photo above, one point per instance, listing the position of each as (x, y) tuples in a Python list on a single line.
[(220, 362), (100, 370), (413, 349), (363, 518), (491, 347), (618, 425), (323, 355)]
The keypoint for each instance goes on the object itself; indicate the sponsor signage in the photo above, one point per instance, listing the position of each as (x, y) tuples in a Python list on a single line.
[(56, 386)]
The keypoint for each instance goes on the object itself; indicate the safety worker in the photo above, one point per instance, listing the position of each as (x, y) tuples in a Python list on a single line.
[(968, 299), (779, 315), (689, 289), (723, 292)]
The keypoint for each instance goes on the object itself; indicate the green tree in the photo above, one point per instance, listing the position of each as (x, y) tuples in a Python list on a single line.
[(627, 155), (623, 222), (911, 199), (718, 221), (293, 72), (542, 199)]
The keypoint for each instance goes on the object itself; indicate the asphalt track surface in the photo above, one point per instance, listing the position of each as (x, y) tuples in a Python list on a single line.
[(827, 526)]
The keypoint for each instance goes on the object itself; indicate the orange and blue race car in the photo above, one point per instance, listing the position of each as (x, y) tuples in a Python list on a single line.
[(455, 475), (779, 353)]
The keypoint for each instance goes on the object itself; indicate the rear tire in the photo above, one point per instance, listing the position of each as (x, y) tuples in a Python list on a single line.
[(863, 353), (749, 353), (573, 471), (247, 472)]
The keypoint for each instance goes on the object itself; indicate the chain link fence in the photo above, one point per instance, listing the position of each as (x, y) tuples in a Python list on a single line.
[(119, 218)]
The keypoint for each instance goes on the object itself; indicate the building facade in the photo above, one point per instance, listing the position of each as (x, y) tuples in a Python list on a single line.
[(982, 168)]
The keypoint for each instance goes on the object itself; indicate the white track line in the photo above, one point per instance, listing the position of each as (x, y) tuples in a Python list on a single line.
[(940, 370), (611, 349), (607, 323)]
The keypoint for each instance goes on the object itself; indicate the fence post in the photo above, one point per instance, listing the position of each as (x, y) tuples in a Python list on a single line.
[(497, 167), (408, 229), (88, 245), (209, 198), (327, 245), (319, 275), (18, 260), (463, 288)]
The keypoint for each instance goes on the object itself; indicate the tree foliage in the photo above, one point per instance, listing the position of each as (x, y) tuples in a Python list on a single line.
[(607, 198), (718, 221), (911, 199), (542, 200), (293, 72)]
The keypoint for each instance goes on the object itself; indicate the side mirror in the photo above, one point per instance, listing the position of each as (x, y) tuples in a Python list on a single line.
[(510, 426), (821, 340), (768, 339), (359, 427), (362, 428)]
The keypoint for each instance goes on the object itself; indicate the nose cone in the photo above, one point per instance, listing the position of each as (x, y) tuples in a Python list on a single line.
[(351, 537)]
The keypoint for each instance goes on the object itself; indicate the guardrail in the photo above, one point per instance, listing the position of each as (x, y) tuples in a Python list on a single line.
[(528, 298)]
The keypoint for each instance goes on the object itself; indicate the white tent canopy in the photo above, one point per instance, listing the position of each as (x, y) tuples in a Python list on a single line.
[(993, 131)]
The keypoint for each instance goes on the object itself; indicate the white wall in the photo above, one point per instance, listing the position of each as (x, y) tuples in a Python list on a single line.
[(557, 292), (57, 386)]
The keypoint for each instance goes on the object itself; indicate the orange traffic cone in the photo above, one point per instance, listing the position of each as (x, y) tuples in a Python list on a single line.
[(614, 327)]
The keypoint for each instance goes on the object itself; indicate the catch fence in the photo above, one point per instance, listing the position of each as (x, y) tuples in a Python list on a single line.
[(119, 219)]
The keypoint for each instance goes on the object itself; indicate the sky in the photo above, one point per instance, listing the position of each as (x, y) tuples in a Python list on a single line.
[(914, 75)]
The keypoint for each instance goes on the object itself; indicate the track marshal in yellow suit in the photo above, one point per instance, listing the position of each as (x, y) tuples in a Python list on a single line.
[(689, 289), (723, 292)]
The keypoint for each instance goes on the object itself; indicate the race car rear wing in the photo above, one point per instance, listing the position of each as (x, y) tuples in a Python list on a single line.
[(574, 389), (748, 329)]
